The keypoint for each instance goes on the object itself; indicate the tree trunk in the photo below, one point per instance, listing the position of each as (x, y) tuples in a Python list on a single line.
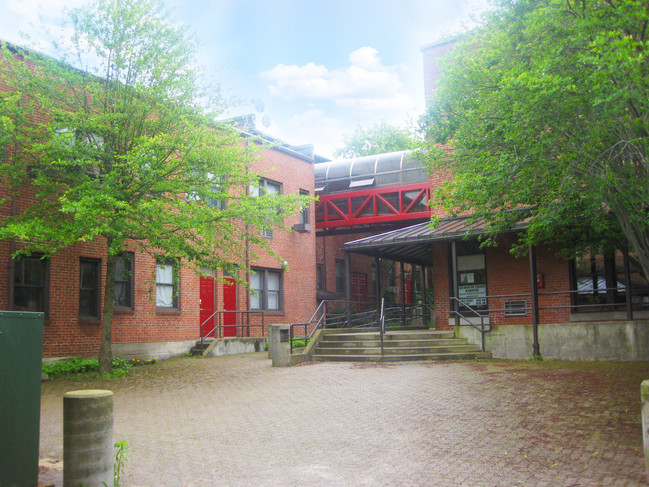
[(105, 350), (638, 237)]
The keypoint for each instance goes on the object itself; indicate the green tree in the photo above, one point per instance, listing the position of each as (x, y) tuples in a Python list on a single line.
[(377, 139), (546, 108), (128, 149)]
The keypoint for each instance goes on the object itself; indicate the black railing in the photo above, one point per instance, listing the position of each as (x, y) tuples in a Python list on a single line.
[(469, 319), (577, 301), (241, 326), (359, 315), (382, 323)]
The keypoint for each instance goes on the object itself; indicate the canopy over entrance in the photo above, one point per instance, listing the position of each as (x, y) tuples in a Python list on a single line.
[(414, 244)]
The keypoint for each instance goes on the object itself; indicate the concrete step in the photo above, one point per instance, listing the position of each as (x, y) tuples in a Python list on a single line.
[(199, 347), (398, 345), (375, 342), (395, 350), (392, 335), (403, 358)]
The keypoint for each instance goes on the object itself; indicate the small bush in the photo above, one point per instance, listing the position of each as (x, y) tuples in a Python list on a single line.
[(84, 365)]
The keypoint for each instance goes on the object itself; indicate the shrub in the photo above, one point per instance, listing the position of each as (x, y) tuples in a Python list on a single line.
[(84, 365)]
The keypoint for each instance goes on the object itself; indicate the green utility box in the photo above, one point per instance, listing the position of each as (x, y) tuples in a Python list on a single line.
[(21, 350)]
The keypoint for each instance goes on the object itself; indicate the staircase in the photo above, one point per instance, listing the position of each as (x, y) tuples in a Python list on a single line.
[(398, 345)]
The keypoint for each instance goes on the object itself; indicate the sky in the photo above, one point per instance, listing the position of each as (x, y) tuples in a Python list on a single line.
[(312, 70)]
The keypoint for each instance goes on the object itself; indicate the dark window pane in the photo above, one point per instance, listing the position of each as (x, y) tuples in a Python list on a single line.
[(124, 281), (30, 284), (89, 288)]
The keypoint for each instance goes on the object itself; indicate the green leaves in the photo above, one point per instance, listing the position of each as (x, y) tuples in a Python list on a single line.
[(377, 139), (546, 107)]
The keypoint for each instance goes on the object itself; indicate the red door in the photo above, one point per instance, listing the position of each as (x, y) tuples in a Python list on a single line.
[(358, 284), (229, 304), (208, 321)]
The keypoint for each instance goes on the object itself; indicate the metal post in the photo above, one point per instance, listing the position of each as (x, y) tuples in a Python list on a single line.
[(536, 350), (348, 287), (628, 294), (377, 287), (403, 294), (453, 282), (424, 294)]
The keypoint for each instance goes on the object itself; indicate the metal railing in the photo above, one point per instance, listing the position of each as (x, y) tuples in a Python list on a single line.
[(360, 315), (241, 326), (475, 314), (382, 323), (577, 301)]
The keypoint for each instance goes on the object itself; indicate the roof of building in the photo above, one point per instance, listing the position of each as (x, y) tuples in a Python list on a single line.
[(378, 170), (414, 244), (246, 125)]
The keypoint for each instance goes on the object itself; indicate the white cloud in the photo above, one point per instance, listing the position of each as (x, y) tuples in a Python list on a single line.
[(366, 84)]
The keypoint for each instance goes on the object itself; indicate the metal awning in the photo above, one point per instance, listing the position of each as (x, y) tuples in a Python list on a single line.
[(414, 244)]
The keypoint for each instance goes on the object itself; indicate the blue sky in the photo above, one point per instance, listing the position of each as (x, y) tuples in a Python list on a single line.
[(320, 67)]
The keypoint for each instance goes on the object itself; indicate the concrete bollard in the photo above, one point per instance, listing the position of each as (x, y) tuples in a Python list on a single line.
[(88, 438), (644, 395), (278, 345)]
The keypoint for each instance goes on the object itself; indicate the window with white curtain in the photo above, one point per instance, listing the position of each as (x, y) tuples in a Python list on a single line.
[(266, 290), (167, 280)]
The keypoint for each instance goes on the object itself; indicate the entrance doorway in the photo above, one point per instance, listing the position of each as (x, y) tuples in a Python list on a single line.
[(229, 304), (358, 284), (207, 317)]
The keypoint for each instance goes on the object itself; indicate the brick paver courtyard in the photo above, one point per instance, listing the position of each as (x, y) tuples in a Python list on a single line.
[(237, 421)]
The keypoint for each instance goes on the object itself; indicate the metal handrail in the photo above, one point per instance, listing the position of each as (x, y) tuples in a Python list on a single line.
[(220, 326), (382, 322), (363, 319), (480, 328), (306, 324)]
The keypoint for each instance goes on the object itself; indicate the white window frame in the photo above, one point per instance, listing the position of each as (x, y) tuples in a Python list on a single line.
[(266, 289)]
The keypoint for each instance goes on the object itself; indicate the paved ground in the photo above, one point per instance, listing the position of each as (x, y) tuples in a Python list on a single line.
[(236, 421)]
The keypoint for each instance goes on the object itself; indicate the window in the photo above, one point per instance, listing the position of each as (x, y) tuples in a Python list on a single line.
[(266, 290), (124, 281), (30, 285), (166, 279), (304, 214), (471, 276), (266, 186), (75, 145), (217, 189), (89, 284), (340, 276), (599, 283)]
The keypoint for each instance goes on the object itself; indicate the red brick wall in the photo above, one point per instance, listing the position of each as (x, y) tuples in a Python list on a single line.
[(297, 249), (66, 335), (507, 275), (430, 55)]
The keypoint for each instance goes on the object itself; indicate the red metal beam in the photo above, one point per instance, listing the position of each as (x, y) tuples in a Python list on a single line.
[(373, 206)]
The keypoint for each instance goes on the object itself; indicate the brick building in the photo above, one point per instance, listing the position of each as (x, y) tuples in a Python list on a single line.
[(158, 314), (594, 307)]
